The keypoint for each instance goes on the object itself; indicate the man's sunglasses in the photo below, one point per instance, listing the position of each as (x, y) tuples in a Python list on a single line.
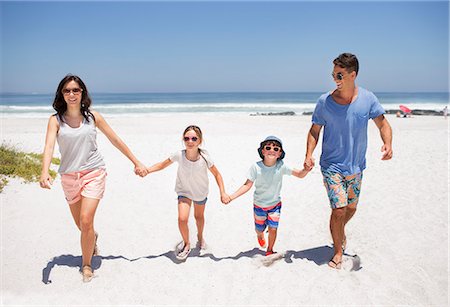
[(339, 76)]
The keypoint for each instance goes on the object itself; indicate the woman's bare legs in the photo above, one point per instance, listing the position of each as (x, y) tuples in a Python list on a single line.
[(83, 213)]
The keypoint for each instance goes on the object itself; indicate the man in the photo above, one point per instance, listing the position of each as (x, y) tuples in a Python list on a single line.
[(344, 113)]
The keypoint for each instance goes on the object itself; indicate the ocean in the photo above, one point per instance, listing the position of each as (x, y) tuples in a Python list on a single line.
[(141, 104)]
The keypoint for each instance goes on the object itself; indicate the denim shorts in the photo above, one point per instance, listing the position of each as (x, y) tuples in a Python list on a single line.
[(201, 202)]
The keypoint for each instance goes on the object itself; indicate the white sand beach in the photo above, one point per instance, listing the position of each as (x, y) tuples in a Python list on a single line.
[(400, 231)]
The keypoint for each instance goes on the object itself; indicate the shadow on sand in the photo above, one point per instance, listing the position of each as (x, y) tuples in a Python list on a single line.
[(319, 255), (73, 262)]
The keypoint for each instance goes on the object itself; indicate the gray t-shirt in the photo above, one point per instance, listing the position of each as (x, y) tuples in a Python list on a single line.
[(192, 176), (78, 147)]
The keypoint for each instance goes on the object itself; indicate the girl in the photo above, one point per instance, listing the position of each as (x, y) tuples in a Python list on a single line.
[(191, 185), (82, 169)]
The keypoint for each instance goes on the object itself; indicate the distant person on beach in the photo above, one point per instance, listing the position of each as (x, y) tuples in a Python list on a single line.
[(267, 175), (445, 112), (83, 172), (344, 113), (192, 186)]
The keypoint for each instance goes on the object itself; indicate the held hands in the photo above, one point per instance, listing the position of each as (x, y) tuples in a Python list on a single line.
[(308, 164), (386, 149), (46, 181), (140, 170), (225, 198)]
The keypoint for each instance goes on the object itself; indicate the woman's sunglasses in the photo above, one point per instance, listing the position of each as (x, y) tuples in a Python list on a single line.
[(270, 148), (75, 91), (193, 139)]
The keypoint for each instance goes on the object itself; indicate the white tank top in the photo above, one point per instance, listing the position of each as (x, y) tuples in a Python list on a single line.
[(78, 147)]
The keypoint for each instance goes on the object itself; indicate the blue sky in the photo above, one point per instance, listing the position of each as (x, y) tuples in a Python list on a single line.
[(222, 46)]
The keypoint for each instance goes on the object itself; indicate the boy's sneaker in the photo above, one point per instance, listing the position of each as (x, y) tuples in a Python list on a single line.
[(183, 253), (268, 253), (262, 242)]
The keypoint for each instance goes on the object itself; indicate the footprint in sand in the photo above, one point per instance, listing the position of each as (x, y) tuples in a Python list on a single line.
[(268, 260)]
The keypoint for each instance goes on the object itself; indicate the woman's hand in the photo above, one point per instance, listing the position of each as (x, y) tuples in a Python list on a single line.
[(46, 181)]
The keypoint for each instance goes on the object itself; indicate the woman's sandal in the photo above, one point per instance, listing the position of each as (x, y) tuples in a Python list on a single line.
[(87, 273)]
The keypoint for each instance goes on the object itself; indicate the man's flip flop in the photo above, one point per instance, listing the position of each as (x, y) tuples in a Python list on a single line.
[(336, 265)]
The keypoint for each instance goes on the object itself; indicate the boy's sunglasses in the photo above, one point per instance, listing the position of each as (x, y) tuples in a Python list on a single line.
[(193, 139), (339, 76), (270, 148)]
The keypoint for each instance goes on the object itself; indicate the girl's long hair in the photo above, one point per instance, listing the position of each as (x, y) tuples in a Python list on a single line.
[(60, 105)]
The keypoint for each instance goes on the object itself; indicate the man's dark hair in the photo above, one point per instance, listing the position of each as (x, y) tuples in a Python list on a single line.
[(347, 61)]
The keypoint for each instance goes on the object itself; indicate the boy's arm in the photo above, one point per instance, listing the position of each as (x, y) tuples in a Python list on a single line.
[(300, 173), (159, 166), (242, 190)]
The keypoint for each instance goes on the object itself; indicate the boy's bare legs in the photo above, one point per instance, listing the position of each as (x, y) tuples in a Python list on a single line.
[(199, 214), (183, 217), (272, 238)]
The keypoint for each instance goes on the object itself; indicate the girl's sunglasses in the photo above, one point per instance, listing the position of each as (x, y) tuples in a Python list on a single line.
[(193, 139), (270, 148)]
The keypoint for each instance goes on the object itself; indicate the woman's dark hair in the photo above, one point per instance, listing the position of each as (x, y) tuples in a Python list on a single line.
[(60, 105), (347, 61)]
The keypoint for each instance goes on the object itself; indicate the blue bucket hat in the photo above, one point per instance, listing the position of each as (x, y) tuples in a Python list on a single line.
[(275, 139)]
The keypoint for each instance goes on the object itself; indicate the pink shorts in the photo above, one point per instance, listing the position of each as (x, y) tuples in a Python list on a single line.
[(88, 183)]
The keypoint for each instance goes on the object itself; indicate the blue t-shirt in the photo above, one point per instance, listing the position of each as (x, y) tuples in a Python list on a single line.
[(344, 143), (268, 181)]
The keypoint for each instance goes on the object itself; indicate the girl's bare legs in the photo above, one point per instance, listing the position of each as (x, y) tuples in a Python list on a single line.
[(183, 217), (199, 214)]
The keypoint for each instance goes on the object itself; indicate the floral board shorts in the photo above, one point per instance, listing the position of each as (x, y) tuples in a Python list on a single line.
[(342, 190), (266, 217), (88, 183)]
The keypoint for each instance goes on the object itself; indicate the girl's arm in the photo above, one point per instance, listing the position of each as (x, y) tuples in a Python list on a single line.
[(300, 173), (159, 166), (224, 197), (242, 190), (101, 123), (45, 181)]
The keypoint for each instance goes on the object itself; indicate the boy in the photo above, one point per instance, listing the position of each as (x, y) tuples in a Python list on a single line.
[(267, 175)]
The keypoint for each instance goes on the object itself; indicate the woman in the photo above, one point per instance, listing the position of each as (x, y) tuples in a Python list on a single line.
[(83, 172)]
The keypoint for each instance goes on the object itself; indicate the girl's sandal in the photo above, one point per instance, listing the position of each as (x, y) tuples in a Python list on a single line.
[(87, 273)]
